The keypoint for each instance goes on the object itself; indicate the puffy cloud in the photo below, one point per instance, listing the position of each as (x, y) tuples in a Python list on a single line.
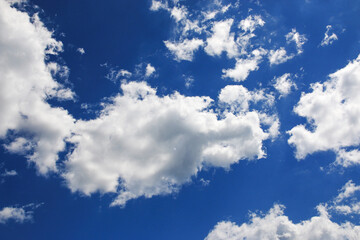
[(222, 40), (159, 144), (250, 23), (346, 203), (157, 5), (31, 125), (333, 112), (184, 50), (275, 225), (284, 84), (244, 66), (348, 158), (18, 214), (238, 98), (81, 51), (179, 13), (297, 38), (328, 38), (149, 70), (279, 56)]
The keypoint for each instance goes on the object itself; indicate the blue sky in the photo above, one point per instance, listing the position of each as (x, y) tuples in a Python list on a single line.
[(179, 119)]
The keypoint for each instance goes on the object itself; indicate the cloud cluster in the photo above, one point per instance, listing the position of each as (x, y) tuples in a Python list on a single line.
[(275, 225), (141, 144), (280, 55), (218, 33), (31, 125), (332, 112), (159, 144)]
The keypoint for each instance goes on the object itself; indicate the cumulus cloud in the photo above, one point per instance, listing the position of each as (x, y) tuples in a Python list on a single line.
[(250, 23), (297, 38), (149, 70), (179, 13), (18, 214), (222, 40), (328, 38), (347, 202), (184, 50), (279, 56), (284, 84), (347, 158), (244, 66), (81, 51), (332, 111), (275, 225), (157, 5), (159, 144), (32, 127)]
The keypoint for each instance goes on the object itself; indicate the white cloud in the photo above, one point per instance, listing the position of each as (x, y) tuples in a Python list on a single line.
[(275, 225), (26, 83), (115, 73), (279, 56), (222, 40), (347, 158), (189, 81), (244, 66), (238, 98), (346, 204), (157, 5), (328, 38), (179, 13), (347, 191), (297, 38), (10, 173), (149, 70), (159, 144), (250, 23), (16, 214), (332, 110), (284, 84), (184, 50), (81, 51)]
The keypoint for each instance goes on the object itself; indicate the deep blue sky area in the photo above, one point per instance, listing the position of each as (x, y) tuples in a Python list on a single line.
[(128, 35)]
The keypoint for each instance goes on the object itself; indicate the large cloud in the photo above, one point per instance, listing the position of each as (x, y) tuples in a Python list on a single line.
[(332, 110), (275, 226), (34, 127), (140, 145), (145, 145), (222, 40)]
